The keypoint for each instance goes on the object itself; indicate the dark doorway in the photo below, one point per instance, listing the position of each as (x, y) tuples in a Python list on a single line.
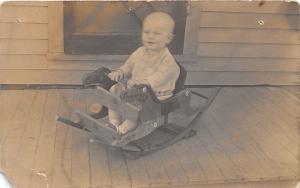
[(114, 28)]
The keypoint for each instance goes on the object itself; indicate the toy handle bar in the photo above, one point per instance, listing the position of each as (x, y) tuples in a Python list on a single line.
[(69, 122)]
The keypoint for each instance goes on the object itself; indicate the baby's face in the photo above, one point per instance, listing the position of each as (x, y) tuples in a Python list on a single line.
[(155, 35)]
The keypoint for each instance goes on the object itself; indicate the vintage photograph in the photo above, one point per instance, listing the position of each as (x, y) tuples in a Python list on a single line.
[(149, 94)]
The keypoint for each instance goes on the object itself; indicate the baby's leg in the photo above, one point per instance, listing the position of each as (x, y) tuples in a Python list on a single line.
[(115, 118), (126, 126)]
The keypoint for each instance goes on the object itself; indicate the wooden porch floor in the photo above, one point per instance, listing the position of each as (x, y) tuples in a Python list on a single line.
[(248, 134)]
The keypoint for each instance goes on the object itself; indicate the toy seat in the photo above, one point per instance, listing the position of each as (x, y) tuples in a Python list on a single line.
[(181, 79), (171, 104)]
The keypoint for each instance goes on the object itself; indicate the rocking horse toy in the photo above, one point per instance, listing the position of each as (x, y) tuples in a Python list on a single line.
[(160, 123)]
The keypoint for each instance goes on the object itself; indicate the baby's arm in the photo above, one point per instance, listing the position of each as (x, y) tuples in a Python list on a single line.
[(167, 73), (132, 82), (125, 70)]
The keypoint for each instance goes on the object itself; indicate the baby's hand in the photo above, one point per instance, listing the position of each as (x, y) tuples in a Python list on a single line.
[(116, 75), (132, 82)]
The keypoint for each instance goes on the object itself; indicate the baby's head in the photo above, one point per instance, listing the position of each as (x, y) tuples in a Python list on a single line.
[(157, 31)]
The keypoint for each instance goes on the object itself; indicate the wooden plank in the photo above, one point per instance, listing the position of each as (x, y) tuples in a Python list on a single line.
[(12, 140), (41, 76), (56, 27), (10, 46), (221, 159), (211, 170), (286, 108), (275, 120), (24, 14), (241, 78), (85, 65), (248, 50), (80, 154), (29, 140), (23, 31), (188, 160), (254, 164), (138, 173), (243, 64), (119, 173), (261, 36), (276, 7), (61, 168), (23, 62), (247, 20), (156, 171), (248, 166), (174, 168), (246, 119), (228, 119), (256, 184), (194, 158), (254, 127), (100, 174), (9, 101), (98, 160), (43, 163), (285, 100), (25, 3)]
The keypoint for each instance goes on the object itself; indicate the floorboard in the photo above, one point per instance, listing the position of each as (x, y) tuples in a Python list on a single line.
[(23, 166), (61, 169), (188, 159), (156, 171), (15, 128), (42, 169), (265, 143), (80, 167), (246, 145), (138, 173), (98, 161), (248, 135)]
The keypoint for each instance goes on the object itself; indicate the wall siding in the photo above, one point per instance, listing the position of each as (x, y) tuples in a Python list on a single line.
[(247, 43), (252, 36), (23, 39), (23, 14), (23, 31), (247, 20), (239, 43), (275, 7)]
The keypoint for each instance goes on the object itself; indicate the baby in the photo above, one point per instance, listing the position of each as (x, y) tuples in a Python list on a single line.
[(152, 64)]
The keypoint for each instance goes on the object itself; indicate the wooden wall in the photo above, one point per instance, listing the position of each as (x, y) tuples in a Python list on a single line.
[(23, 35), (239, 43), (248, 42)]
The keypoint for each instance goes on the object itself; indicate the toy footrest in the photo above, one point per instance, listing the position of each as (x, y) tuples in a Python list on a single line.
[(99, 127)]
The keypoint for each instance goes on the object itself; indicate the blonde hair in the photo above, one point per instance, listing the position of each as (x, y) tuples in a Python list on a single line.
[(163, 18)]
